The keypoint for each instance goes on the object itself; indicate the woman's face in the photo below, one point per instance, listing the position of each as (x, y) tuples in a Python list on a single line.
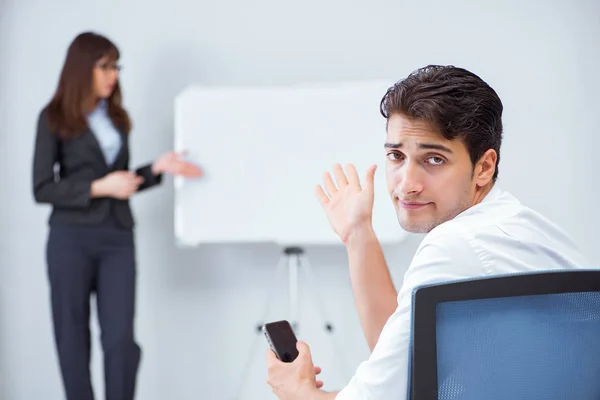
[(105, 75)]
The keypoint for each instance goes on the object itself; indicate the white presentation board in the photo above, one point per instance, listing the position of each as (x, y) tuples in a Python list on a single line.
[(263, 150)]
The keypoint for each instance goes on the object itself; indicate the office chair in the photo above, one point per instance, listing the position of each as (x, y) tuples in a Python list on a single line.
[(526, 336)]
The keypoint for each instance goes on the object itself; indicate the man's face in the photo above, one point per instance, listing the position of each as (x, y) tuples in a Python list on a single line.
[(429, 178)]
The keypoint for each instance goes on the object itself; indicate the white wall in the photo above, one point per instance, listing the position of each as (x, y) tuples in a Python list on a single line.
[(197, 308)]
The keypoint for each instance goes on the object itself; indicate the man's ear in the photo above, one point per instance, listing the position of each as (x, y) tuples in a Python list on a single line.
[(485, 168)]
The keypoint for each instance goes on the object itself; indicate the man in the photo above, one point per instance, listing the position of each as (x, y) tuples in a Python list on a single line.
[(444, 130)]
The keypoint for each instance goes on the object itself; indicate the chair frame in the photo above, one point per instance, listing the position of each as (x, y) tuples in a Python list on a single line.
[(423, 349)]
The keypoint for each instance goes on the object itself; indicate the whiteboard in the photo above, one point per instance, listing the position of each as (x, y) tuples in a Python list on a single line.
[(264, 149)]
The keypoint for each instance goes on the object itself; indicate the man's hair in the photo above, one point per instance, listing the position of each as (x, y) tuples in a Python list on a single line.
[(455, 101)]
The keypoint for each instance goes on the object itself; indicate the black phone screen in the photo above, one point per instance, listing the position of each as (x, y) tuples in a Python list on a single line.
[(282, 339)]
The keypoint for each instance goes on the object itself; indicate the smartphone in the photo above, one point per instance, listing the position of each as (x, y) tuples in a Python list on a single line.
[(282, 340)]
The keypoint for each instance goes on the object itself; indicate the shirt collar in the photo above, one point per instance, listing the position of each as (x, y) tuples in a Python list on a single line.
[(494, 194), (102, 104)]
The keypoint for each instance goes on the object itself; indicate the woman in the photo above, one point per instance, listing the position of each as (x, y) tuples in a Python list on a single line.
[(84, 131)]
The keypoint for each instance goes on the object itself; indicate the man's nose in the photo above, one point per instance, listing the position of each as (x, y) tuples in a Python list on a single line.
[(411, 182)]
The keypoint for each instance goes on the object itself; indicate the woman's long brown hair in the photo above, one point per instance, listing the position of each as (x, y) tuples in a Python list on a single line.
[(68, 109)]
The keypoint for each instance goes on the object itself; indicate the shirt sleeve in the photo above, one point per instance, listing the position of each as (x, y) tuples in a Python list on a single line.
[(385, 374)]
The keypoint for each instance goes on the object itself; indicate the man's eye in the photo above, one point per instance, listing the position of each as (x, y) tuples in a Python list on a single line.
[(436, 160), (394, 156)]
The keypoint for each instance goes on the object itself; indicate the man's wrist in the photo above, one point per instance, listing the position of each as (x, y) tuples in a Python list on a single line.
[(360, 235), (318, 394)]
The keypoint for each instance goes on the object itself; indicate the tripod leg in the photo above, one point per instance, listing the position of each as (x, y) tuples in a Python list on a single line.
[(312, 282), (293, 263), (258, 330)]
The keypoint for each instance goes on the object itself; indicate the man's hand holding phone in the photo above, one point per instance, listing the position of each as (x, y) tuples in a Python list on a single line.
[(291, 372)]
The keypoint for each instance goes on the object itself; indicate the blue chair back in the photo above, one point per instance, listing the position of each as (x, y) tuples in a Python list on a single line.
[(527, 336)]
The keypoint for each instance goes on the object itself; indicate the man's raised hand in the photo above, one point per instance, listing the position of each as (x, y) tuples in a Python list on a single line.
[(347, 204)]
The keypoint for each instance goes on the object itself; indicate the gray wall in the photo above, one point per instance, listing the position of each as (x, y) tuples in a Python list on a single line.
[(197, 307)]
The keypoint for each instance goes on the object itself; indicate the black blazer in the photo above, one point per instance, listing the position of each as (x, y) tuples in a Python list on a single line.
[(80, 161)]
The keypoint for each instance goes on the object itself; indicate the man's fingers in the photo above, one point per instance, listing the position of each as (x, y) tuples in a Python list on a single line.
[(303, 350), (302, 347), (370, 176), (340, 177), (352, 175), (304, 355), (321, 196), (271, 357), (329, 185)]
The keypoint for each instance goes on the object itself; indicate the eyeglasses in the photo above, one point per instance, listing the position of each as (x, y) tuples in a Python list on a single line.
[(109, 67)]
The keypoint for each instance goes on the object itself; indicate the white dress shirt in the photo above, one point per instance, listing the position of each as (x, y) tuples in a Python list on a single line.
[(497, 236), (107, 135)]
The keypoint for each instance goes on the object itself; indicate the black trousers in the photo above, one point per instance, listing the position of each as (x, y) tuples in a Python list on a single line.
[(81, 261)]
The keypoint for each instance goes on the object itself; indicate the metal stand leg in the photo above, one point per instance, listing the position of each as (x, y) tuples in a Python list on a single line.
[(259, 330), (295, 260), (293, 256), (338, 352)]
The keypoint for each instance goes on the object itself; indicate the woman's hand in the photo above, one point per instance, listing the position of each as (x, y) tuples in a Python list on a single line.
[(119, 185), (171, 163)]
